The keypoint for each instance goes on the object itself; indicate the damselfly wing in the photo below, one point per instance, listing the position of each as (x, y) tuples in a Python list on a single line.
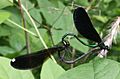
[(84, 25), (35, 59)]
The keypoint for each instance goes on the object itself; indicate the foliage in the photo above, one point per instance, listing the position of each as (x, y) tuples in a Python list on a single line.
[(53, 19)]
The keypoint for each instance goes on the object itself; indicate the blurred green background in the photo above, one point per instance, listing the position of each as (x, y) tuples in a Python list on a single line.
[(53, 19)]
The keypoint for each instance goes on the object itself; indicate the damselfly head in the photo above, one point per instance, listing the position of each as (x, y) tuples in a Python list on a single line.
[(103, 46), (65, 43)]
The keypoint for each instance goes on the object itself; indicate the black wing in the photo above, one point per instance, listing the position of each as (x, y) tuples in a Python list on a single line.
[(84, 25), (33, 60)]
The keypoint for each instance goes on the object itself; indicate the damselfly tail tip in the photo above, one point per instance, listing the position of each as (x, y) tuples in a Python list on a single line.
[(12, 63)]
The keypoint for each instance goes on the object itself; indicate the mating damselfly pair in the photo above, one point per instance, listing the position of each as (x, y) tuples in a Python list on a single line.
[(84, 27)]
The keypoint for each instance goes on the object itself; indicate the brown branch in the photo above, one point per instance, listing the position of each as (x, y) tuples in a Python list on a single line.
[(24, 25)]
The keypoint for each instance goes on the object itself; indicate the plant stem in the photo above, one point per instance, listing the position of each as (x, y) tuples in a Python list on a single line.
[(24, 25)]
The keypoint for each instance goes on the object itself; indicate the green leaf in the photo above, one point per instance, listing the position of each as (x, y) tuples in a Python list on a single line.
[(4, 15), (17, 39), (96, 69), (4, 30), (15, 17), (79, 46), (64, 24), (5, 3), (57, 35), (36, 43), (83, 2), (8, 72), (45, 3), (51, 70), (4, 50), (50, 12), (35, 14), (55, 2), (103, 19), (59, 17), (27, 4), (107, 1)]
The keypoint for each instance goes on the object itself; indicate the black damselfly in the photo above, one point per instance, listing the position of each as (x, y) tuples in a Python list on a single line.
[(84, 26), (36, 59)]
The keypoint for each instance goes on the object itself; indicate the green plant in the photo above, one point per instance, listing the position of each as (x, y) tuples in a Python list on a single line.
[(46, 22)]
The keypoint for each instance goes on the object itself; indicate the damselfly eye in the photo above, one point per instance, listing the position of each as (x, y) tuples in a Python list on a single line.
[(66, 43)]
